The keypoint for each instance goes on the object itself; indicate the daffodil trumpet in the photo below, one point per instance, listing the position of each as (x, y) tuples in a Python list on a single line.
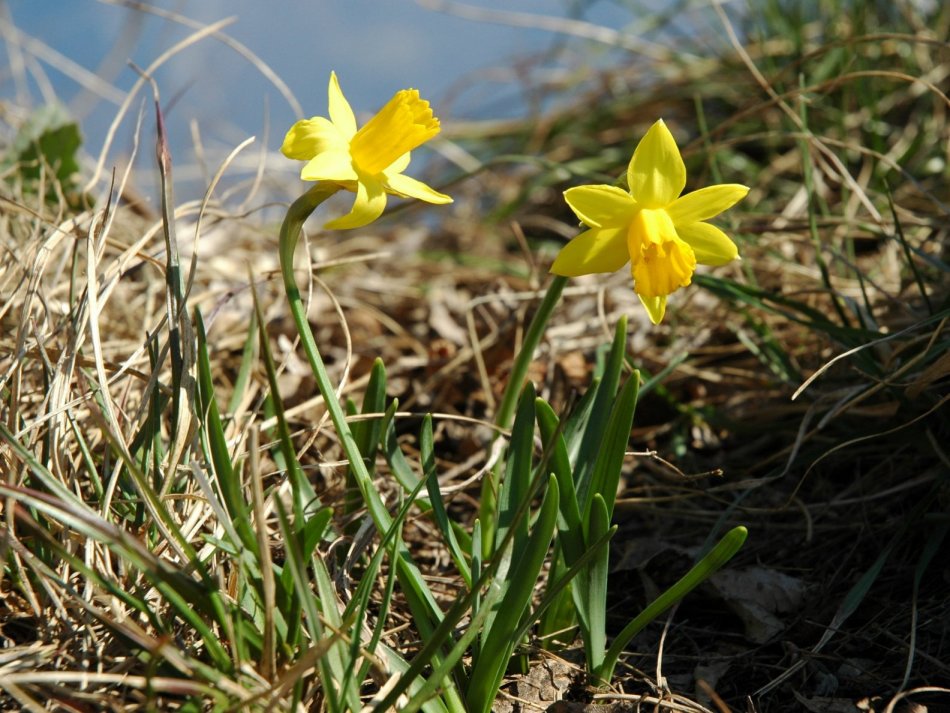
[(662, 234)]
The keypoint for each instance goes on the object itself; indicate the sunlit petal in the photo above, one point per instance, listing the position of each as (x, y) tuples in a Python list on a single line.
[(368, 161), (655, 307), (705, 203), (309, 137), (594, 250), (662, 268), (329, 166), (709, 243), (369, 205), (600, 206), (341, 114), (407, 187), (656, 174)]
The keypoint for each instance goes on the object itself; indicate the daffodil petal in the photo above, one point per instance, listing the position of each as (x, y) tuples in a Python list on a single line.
[(407, 187), (600, 206), (594, 250), (341, 113), (655, 307), (709, 243), (369, 205), (329, 166), (309, 137), (705, 203), (656, 174)]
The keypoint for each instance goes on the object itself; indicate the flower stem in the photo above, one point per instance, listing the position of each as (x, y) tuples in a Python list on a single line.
[(519, 369), (519, 372), (425, 609), (297, 215)]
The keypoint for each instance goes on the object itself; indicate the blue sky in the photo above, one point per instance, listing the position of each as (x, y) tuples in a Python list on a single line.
[(375, 46)]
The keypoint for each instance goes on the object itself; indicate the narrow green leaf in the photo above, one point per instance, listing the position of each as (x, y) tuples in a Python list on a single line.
[(593, 433), (313, 531), (366, 432), (570, 531), (591, 600), (557, 625), (576, 422), (396, 459), (248, 362), (439, 514), (498, 645), (613, 447), (476, 574), (728, 546), (516, 485), (229, 483)]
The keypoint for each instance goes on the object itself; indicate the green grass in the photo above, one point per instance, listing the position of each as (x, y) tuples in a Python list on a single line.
[(215, 496)]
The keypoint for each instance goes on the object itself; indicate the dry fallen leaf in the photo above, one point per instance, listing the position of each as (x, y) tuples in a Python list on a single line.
[(757, 595)]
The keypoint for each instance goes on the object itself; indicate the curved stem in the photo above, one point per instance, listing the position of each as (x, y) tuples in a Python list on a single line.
[(426, 610), (297, 215)]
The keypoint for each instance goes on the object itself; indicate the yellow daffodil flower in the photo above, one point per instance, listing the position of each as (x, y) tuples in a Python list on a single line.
[(662, 234), (370, 162)]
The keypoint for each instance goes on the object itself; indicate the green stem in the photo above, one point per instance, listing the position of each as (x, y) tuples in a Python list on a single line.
[(297, 215), (425, 609), (519, 372)]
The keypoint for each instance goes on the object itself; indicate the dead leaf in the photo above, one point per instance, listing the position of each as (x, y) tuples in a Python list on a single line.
[(442, 321), (936, 371), (546, 682), (756, 595)]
